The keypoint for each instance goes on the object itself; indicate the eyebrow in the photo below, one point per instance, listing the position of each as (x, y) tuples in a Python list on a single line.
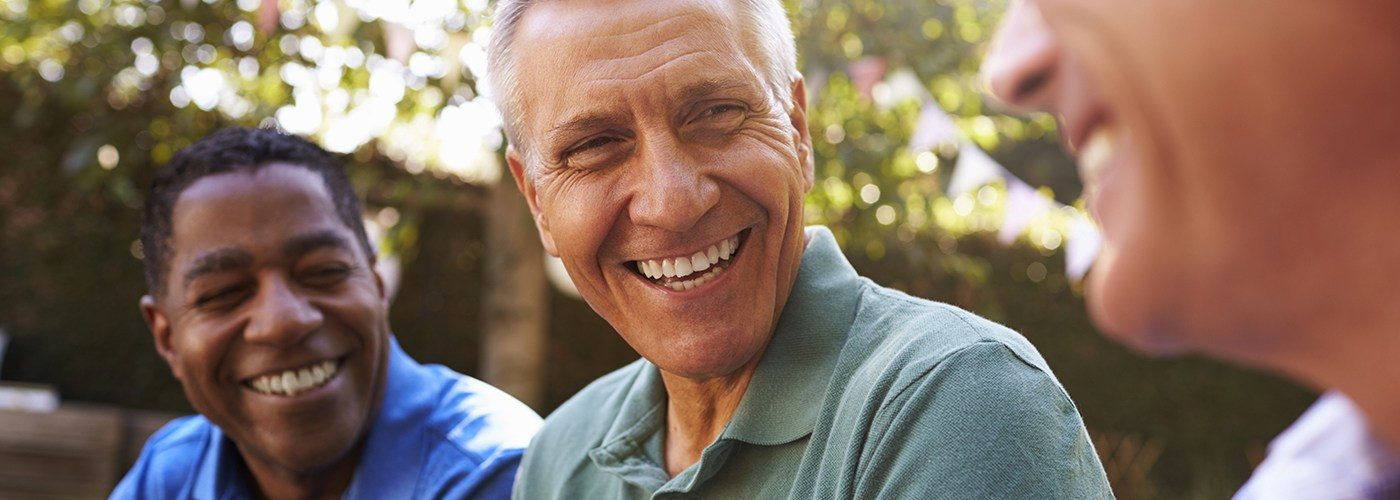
[(587, 121), (229, 258), (309, 242), (218, 261), (692, 92), (707, 88)]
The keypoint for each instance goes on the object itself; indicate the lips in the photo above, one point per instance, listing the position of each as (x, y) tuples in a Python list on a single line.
[(686, 272)]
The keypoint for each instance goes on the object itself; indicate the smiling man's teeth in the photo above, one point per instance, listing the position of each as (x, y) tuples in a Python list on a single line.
[(671, 270), (1096, 153), (292, 382)]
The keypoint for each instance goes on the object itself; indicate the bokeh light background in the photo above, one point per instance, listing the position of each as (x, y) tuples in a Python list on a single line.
[(95, 95)]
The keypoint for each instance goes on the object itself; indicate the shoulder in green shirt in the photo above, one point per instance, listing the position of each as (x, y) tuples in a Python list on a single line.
[(864, 392)]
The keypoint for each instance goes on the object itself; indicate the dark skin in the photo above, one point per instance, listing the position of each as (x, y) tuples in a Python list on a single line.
[(263, 278)]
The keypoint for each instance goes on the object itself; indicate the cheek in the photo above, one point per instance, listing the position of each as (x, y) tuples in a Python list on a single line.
[(765, 169), (580, 215), (1135, 289), (358, 306), (198, 347)]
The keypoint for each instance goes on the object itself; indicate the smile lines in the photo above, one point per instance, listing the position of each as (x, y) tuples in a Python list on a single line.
[(670, 272), (295, 381)]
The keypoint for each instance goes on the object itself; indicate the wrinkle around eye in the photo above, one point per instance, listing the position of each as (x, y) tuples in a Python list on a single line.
[(771, 131), (595, 153)]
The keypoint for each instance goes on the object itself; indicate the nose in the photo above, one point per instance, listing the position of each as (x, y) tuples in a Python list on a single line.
[(674, 191), (1020, 67), (281, 316)]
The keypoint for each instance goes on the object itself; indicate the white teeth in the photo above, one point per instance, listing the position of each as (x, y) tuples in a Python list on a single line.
[(683, 267), (292, 382), (699, 261), (1096, 153), (681, 286)]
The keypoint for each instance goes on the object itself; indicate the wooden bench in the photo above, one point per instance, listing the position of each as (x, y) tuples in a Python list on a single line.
[(77, 451)]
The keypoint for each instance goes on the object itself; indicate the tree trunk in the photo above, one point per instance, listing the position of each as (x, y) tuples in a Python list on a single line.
[(515, 312)]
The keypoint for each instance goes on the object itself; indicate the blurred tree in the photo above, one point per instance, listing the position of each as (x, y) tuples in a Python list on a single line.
[(96, 94)]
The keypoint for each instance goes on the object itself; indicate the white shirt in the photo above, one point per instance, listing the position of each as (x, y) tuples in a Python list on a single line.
[(1329, 453)]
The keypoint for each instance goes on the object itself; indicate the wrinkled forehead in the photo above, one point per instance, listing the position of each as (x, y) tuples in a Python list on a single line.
[(570, 52), (606, 35)]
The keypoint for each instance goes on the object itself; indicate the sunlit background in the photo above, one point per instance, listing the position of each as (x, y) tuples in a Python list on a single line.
[(95, 95)]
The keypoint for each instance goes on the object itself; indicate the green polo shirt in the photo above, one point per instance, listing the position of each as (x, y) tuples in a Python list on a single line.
[(864, 392)]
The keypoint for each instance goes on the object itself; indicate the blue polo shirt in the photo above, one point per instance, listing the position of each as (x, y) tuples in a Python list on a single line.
[(439, 434)]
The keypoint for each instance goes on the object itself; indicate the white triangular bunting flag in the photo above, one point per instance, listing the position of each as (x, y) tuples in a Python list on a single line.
[(1023, 204), (974, 169), (934, 128), (1081, 247)]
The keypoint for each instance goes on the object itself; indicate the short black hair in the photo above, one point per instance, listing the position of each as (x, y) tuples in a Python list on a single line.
[(237, 149)]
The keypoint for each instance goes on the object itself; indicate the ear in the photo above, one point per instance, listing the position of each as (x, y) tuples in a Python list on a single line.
[(801, 135), (527, 188), (159, 325)]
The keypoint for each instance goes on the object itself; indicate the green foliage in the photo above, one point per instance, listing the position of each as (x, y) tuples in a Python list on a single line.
[(98, 94)]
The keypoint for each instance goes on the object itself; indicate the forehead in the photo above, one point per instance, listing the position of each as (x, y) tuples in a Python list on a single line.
[(250, 210), (576, 53)]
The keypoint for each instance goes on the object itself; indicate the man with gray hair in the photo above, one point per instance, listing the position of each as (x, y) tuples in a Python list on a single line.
[(664, 152)]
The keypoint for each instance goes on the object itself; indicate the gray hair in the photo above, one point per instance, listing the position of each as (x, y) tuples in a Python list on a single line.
[(767, 36)]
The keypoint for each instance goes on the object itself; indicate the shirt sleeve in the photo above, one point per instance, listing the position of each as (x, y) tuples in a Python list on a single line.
[(146, 479), (451, 473), (497, 477), (983, 423), (129, 488)]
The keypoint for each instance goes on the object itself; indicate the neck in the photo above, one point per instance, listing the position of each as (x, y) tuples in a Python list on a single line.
[(274, 481), (697, 410), (1380, 402), (1360, 364)]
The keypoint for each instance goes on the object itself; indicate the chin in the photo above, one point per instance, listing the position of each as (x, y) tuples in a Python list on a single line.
[(1131, 311), (705, 358), (1154, 341), (296, 454)]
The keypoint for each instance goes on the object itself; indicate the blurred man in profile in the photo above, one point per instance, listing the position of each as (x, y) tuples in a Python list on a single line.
[(264, 302), (1241, 158)]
